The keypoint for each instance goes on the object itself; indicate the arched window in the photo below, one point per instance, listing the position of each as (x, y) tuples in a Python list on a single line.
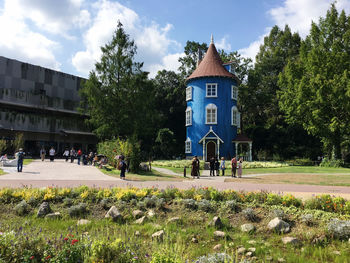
[(188, 145), (234, 92), (235, 117), (188, 116), (211, 114)]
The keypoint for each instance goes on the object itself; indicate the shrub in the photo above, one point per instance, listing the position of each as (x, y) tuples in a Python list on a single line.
[(308, 219), (214, 258), (189, 203), (278, 213), (290, 200), (160, 203), (339, 228), (250, 215), (205, 205), (105, 203), (77, 210), (232, 206), (164, 258), (150, 201), (300, 162), (22, 208), (322, 202), (273, 199), (326, 162), (116, 251), (68, 201)]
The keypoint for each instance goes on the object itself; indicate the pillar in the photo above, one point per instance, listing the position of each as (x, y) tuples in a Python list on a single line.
[(203, 150), (236, 149), (218, 144), (250, 151)]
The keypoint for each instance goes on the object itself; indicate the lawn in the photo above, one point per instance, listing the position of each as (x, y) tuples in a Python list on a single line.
[(1, 172), (144, 176), (298, 169)]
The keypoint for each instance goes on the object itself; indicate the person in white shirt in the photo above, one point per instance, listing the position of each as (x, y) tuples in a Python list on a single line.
[(66, 154), (52, 153)]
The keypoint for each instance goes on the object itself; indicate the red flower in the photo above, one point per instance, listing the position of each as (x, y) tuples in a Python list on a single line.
[(32, 257), (47, 257), (65, 239), (74, 241)]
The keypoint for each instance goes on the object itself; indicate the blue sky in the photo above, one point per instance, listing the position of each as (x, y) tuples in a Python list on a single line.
[(66, 35)]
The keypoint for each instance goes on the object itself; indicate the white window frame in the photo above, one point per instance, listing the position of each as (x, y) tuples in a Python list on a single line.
[(211, 85), (188, 116), (234, 92), (189, 93), (235, 117), (211, 107), (188, 145)]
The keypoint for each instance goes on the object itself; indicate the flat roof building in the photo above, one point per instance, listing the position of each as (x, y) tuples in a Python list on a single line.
[(42, 104)]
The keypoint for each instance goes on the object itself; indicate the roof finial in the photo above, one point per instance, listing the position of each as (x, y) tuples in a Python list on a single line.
[(212, 39)]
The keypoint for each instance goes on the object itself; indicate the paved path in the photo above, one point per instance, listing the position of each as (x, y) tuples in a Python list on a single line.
[(62, 174)]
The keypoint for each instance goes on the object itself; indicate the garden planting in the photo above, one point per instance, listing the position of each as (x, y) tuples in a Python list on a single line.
[(151, 225)]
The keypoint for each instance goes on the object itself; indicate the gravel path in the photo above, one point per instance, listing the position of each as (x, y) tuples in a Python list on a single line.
[(62, 174)]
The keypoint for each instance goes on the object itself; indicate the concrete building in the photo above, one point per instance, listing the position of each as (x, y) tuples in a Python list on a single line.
[(42, 104), (212, 116)]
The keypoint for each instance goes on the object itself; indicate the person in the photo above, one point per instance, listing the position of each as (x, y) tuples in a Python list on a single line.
[(90, 157), (198, 166), (122, 167), (66, 154), (42, 153), (239, 167), (234, 166), (72, 155), (79, 154), (52, 153), (20, 157), (4, 158), (194, 169), (212, 166), (222, 166), (217, 165)]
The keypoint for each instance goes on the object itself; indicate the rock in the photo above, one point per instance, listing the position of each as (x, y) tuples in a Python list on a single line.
[(194, 240), (83, 222), (44, 209), (219, 234), (291, 240), (278, 225), (252, 249), (281, 260), (174, 220), (151, 213), (268, 258), (250, 228), (249, 254), (336, 252), (158, 235), (56, 215), (141, 220), (339, 228), (137, 213), (307, 219), (157, 226), (217, 247), (252, 242), (137, 233), (241, 250), (114, 214), (216, 222), (319, 240)]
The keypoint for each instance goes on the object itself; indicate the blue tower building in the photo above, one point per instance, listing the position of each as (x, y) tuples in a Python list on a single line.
[(212, 116)]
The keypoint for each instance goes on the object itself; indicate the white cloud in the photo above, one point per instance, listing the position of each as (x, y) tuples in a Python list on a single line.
[(152, 40), (18, 41), (298, 14), (223, 44), (169, 62)]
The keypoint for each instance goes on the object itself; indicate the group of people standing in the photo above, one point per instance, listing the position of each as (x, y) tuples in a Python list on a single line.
[(71, 155), (216, 166)]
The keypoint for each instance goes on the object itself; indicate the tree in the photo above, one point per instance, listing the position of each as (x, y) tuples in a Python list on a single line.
[(117, 94), (241, 64), (166, 143), (170, 105), (189, 61), (315, 87)]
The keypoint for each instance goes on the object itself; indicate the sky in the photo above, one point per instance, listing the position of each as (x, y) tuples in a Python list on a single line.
[(66, 35)]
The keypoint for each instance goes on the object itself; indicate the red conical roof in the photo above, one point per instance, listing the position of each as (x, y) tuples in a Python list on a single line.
[(211, 66)]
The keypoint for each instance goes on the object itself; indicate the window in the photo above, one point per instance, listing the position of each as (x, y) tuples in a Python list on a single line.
[(211, 114), (188, 146), (212, 90), (234, 92), (189, 93), (188, 116), (236, 117)]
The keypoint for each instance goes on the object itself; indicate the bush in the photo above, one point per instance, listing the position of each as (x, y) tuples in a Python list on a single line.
[(273, 199), (308, 219), (232, 206), (278, 213), (339, 228), (22, 208), (214, 258), (115, 251), (68, 201), (189, 203), (205, 205), (290, 200), (326, 162), (300, 162), (250, 215), (77, 210), (163, 258)]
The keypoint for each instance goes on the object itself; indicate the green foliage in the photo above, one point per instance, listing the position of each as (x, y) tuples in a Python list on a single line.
[(273, 199), (115, 251), (77, 210), (3, 146), (315, 87), (336, 163), (130, 148), (300, 162), (165, 141), (18, 142), (22, 208), (189, 61), (163, 258)]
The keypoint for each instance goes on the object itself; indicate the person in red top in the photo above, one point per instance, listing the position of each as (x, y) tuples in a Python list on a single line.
[(79, 154), (234, 166)]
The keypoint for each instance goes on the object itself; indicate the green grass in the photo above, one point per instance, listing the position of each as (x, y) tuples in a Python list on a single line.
[(1, 172), (298, 169), (27, 161), (143, 176)]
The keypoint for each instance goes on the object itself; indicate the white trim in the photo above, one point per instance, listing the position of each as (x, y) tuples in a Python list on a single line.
[(188, 142), (216, 90), (234, 92), (189, 91), (188, 116), (212, 107), (205, 136), (235, 117)]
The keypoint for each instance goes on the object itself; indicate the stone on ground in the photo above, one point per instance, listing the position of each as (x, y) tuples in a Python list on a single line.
[(290, 240), (217, 247), (56, 215), (219, 234), (158, 235), (44, 209), (278, 225), (137, 213), (174, 220), (216, 222), (114, 214), (83, 222), (250, 228), (141, 220)]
